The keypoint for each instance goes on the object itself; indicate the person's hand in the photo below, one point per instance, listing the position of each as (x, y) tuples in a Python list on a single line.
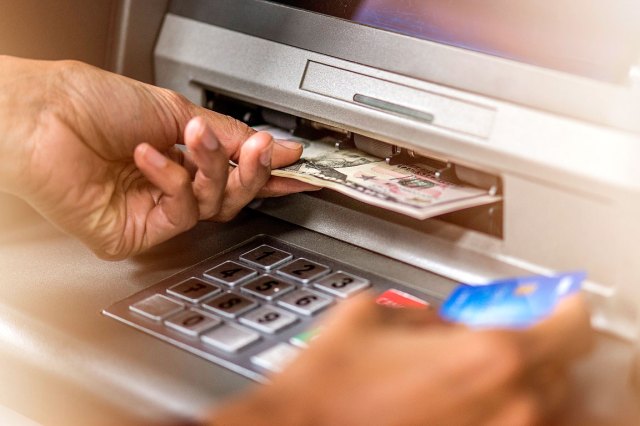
[(95, 153), (373, 365)]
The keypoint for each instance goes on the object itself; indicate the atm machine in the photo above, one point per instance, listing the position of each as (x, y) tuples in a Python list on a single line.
[(538, 103)]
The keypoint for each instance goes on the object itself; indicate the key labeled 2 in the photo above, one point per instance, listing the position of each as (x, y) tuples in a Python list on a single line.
[(304, 270)]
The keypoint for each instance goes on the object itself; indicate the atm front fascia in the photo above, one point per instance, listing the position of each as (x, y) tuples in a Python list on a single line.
[(563, 147)]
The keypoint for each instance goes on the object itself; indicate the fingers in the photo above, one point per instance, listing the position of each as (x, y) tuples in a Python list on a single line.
[(177, 209), (229, 131), (212, 167), (521, 410), (564, 336), (184, 158), (233, 134), (357, 312), (252, 173), (415, 317), (552, 391), (531, 405), (532, 361), (278, 186), (285, 153), (172, 112), (220, 195)]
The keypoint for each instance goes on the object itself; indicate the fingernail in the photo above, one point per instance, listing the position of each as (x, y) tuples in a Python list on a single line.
[(265, 156), (154, 157), (197, 129), (288, 144), (208, 139)]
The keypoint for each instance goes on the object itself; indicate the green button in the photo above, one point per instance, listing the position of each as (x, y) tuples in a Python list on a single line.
[(303, 339)]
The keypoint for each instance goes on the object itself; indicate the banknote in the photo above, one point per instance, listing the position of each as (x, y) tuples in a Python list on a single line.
[(409, 189)]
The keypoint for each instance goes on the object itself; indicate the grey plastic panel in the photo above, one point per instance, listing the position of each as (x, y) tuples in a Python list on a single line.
[(494, 77), (137, 25), (446, 112)]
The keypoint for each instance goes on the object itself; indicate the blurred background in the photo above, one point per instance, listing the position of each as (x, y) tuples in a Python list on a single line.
[(117, 35), (70, 29)]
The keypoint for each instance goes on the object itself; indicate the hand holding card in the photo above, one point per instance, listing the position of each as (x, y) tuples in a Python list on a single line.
[(511, 303)]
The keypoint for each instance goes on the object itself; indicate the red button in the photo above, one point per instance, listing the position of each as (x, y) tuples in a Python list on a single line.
[(398, 299)]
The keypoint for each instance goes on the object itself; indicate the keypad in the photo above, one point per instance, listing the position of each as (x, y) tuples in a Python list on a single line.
[(230, 305), (305, 302), (156, 307), (267, 287), (230, 273), (268, 319), (303, 270), (192, 322), (255, 307), (266, 257), (193, 290)]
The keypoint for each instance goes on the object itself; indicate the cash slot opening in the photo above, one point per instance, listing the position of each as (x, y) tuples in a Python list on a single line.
[(487, 219)]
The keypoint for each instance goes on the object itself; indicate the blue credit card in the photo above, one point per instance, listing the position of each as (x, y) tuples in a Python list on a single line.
[(510, 303)]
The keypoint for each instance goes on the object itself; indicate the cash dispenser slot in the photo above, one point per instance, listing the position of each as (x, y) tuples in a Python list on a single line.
[(487, 219)]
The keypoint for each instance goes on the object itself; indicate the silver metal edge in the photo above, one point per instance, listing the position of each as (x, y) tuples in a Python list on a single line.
[(528, 85)]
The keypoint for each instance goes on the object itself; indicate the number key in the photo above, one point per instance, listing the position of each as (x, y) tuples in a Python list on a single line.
[(268, 319), (304, 270), (266, 257), (230, 305), (230, 273), (305, 302), (192, 322), (156, 307), (267, 287), (342, 284), (193, 290), (230, 337)]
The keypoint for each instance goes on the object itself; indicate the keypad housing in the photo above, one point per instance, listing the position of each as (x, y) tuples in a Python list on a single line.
[(268, 304)]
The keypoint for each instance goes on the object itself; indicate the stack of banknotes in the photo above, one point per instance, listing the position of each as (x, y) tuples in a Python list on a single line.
[(409, 189)]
